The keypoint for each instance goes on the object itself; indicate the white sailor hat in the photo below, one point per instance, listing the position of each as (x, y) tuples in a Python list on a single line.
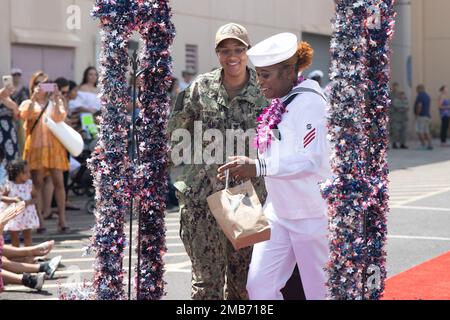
[(273, 50), (315, 73)]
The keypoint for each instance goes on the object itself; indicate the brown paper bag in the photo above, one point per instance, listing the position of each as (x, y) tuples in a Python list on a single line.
[(240, 215)]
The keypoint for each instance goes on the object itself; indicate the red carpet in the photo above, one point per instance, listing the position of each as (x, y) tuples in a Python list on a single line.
[(427, 281)]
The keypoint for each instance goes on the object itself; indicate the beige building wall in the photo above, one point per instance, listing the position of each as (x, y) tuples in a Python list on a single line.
[(401, 60), (431, 48), (401, 48), (422, 32), (44, 22), (198, 20), (5, 39)]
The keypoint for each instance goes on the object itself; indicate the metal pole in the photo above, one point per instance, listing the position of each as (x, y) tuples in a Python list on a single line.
[(138, 289), (364, 275), (130, 250), (133, 147), (136, 142)]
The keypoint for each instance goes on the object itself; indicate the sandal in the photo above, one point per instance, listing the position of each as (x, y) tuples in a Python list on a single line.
[(49, 216), (63, 229), (41, 230)]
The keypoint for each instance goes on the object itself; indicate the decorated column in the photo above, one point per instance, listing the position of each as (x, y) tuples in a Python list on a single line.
[(381, 29), (109, 163), (158, 34), (117, 179), (357, 196)]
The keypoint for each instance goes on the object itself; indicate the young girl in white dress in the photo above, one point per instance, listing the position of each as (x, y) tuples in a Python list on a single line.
[(21, 186)]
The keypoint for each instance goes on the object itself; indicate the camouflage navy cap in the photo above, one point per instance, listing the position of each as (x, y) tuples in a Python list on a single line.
[(232, 31)]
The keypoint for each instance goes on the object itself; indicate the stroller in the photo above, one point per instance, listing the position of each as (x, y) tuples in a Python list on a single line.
[(81, 179)]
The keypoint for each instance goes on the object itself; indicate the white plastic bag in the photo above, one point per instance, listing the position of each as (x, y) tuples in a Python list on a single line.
[(69, 138)]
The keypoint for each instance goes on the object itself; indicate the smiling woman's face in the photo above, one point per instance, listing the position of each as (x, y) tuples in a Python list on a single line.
[(92, 76), (274, 81), (232, 56)]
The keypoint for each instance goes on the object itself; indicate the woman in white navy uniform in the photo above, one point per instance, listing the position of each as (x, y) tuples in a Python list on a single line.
[(293, 163)]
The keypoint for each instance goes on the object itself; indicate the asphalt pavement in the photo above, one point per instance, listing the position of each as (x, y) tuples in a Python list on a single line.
[(418, 228)]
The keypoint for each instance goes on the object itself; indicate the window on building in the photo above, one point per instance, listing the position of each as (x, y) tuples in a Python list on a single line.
[(192, 57)]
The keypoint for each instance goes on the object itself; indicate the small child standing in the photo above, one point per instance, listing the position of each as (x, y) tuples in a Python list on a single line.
[(21, 186)]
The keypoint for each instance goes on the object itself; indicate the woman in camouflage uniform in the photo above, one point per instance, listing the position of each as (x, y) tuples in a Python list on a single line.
[(223, 100)]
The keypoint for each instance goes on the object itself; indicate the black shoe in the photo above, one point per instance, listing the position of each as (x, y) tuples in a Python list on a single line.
[(33, 281), (402, 146), (394, 146)]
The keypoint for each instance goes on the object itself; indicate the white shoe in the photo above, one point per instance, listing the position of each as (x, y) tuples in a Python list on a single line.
[(40, 279), (52, 266)]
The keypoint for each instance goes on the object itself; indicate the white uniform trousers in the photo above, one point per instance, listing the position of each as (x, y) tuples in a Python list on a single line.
[(302, 241)]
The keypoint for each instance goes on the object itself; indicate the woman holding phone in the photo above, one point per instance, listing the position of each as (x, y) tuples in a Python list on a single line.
[(9, 113), (43, 152)]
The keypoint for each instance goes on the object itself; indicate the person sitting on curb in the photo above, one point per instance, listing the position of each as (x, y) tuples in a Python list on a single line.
[(34, 281)]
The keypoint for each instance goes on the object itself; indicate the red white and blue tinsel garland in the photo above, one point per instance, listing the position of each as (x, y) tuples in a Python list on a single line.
[(376, 124), (151, 176), (357, 196), (116, 179), (109, 163)]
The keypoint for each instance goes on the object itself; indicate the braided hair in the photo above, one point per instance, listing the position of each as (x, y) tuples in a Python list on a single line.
[(15, 168)]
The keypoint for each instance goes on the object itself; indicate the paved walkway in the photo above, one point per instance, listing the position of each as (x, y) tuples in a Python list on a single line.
[(419, 228)]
